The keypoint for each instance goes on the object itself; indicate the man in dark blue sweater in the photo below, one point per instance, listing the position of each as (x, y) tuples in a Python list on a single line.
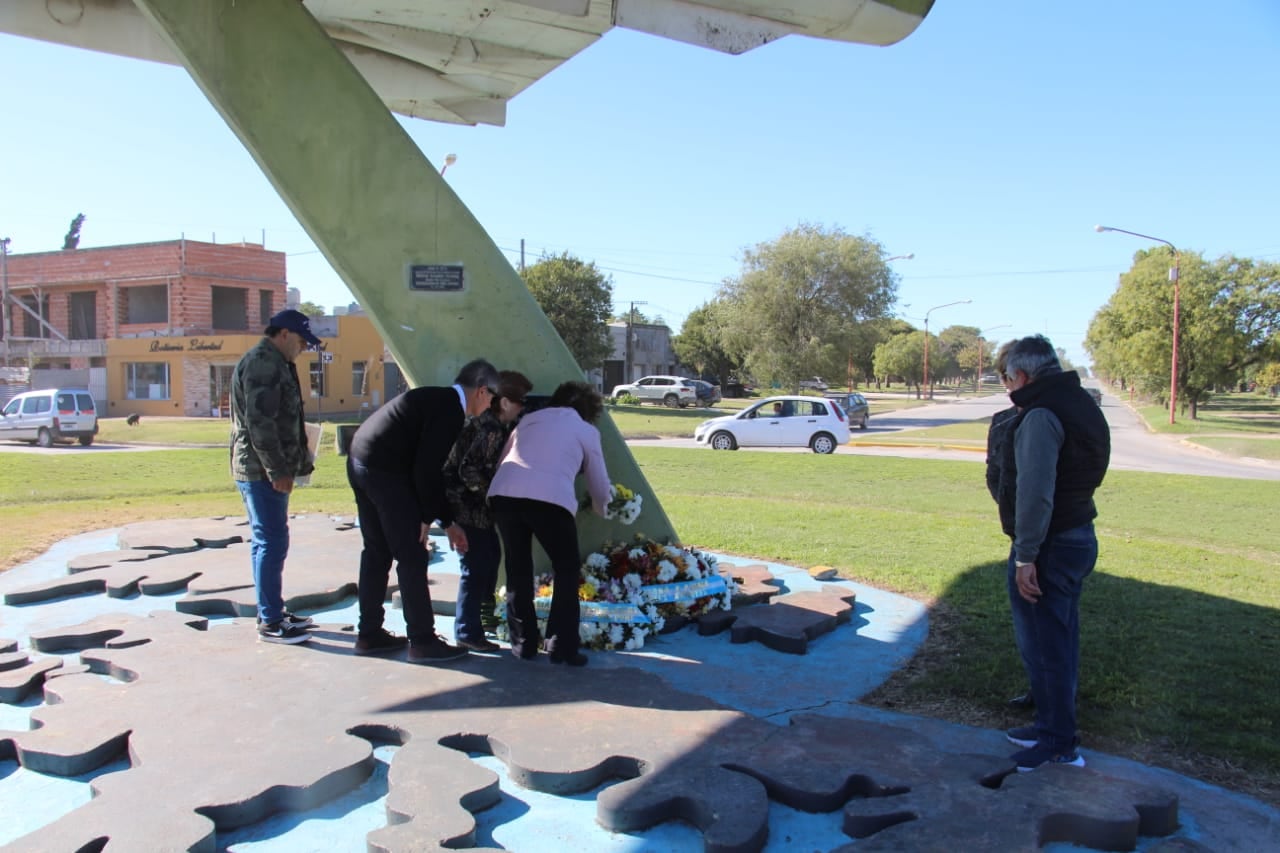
[(1059, 455)]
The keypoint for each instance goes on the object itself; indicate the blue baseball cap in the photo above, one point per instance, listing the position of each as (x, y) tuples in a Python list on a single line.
[(297, 322)]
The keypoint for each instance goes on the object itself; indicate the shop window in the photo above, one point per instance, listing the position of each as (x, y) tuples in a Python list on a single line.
[(264, 307), (358, 378), (146, 304), (146, 380), (317, 379)]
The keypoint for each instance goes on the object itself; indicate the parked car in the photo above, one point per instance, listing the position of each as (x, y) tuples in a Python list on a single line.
[(53, 414), (814, 383), (670, 391), (1095, 393), (788, 421), (708, 392), (735, 389), (856, 408)]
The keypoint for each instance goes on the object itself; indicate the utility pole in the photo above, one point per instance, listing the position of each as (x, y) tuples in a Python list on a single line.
[(4, 297), (631, 317), (521, 256)]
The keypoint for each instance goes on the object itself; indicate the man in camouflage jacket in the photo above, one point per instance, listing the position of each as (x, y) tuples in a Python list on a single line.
[(268, 451)]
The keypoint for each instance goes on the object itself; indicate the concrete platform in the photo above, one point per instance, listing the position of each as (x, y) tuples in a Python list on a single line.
[(142, 710)]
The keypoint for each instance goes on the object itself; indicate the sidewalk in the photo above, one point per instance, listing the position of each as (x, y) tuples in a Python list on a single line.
[(695, 742)]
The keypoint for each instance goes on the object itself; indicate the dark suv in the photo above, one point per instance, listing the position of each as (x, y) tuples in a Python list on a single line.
[(856, 408)]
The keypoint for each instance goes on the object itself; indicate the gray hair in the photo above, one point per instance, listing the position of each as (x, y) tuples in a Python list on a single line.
[(477, 374), (1034, 356)]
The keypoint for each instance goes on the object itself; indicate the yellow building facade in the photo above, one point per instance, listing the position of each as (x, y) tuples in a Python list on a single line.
[(191, 375)]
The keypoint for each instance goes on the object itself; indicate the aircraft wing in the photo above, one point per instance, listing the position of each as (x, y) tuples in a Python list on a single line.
[(460, 61)]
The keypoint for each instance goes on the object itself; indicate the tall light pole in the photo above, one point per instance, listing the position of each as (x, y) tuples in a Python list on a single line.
[(980, 334), (926, 339), (449, 160), (1173, 277), (631, 317), (849, 374)]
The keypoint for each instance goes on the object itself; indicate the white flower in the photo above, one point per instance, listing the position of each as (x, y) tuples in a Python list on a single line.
[(635, 641), (693, 572), (667, 571), (597, 561), (631, 581), (637, 554), (615, 634)]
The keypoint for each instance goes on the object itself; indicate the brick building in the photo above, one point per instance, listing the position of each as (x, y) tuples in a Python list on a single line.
[(156, 328)]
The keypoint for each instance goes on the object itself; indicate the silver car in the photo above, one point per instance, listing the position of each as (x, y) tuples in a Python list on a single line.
[(54, 414)]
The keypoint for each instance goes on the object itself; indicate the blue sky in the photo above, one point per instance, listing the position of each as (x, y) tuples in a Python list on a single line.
[(989, 144)]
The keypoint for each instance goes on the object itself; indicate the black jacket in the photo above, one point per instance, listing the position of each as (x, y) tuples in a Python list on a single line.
[(412, 435), (1086, 448)]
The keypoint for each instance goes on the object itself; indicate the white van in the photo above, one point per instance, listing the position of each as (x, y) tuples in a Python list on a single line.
[(54, 414)]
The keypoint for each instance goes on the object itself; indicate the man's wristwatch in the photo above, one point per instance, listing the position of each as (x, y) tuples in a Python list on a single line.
[(1019, 564)]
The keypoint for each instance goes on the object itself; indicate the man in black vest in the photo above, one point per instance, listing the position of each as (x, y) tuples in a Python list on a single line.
[(1058, 456), (395, 468)]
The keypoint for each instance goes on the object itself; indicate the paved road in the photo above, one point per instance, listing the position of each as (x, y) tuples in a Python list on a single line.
[(1133, 448)]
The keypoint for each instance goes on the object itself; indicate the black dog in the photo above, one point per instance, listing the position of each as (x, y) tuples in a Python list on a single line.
[(133, 419)]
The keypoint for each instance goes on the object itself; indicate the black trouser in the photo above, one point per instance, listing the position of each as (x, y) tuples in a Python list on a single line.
[(520, 520), (390, 526)]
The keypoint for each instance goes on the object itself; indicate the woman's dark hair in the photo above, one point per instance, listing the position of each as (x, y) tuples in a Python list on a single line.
[(580, 397), (513, 385)]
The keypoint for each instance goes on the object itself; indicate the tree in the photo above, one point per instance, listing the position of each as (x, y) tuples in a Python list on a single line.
[(796, 307), (311, 309), (577, 298), (72, 240), (902, 355), (700, 342), (1230, 319)]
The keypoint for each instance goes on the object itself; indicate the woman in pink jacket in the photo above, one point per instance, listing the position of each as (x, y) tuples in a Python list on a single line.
[(533, 495)]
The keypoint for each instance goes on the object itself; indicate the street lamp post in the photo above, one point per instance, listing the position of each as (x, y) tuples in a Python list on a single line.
[(1174, 277), (980, 334), (449, 160), (926, 339)]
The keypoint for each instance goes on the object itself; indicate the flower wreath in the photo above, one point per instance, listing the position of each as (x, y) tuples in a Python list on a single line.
[(628, 592)]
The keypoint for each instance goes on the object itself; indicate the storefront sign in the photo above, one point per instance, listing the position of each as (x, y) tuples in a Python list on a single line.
[(192, 345)]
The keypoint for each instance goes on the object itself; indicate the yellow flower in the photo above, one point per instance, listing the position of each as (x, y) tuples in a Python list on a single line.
[(587, 592), (623, 492), (544, 591)]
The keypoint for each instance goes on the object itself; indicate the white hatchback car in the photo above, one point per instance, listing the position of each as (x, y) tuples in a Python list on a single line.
[(779, 422)]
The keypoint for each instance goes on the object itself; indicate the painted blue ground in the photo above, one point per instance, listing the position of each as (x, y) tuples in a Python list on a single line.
[(839, 668)]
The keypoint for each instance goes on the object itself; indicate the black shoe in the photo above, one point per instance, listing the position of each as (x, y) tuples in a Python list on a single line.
[(1023, 736), (1023, 702), (575, 659), (278, 632), (295, 621), (435, 650), (479, 645), (379, 643)]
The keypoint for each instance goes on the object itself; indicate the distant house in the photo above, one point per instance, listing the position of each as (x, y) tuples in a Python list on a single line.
[(650, 353)]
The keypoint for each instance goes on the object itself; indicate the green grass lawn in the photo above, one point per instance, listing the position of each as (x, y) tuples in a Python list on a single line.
[(1181, 622)]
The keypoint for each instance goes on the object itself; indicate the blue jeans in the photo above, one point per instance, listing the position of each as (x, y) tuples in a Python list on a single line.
[(479, 580), (1048, 632), (269, 520)]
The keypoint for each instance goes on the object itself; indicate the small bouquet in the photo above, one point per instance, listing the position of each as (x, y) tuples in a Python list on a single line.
[(624, 504)]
